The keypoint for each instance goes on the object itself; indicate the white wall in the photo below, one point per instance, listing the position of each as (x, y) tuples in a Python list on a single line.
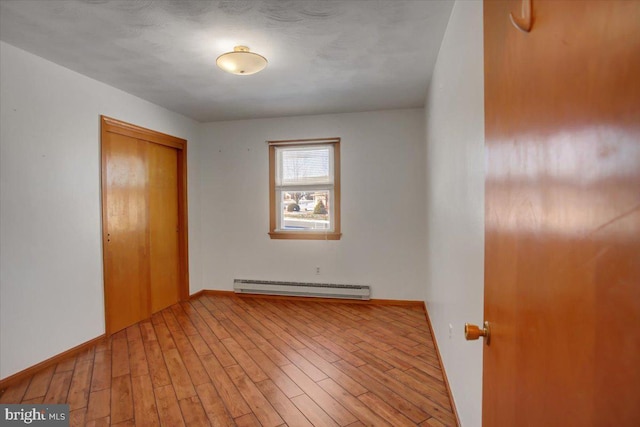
[(455, 204), (51, 288), (383, 210)]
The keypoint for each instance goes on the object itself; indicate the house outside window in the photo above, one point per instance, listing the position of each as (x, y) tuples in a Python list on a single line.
[(304, 189)]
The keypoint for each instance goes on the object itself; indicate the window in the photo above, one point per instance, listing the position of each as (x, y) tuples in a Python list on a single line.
[(304, 189)]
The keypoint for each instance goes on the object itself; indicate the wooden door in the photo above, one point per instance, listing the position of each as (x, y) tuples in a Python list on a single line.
[(126, 255), (562, 266), (163, 225), (144, 222)]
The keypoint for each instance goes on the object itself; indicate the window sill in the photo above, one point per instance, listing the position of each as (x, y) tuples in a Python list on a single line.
[(305, 235)]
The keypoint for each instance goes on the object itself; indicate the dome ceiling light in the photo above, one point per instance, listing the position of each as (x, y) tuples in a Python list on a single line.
[(241, 62)]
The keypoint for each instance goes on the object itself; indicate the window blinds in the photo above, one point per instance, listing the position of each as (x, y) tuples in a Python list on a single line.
[(310, 166)]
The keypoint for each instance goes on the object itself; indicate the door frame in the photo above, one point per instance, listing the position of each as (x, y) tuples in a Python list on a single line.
[(110, 125)]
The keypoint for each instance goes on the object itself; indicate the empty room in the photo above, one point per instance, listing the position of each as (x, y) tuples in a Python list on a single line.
[(320, 213)]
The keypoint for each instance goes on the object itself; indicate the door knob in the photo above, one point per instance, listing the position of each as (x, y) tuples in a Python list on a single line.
[(473, 332)]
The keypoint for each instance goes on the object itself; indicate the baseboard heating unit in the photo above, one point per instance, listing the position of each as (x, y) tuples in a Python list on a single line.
[(319, 290)]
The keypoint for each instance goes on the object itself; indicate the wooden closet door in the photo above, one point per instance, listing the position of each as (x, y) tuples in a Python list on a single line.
[(163, 225), (144, 222), (126, 225)]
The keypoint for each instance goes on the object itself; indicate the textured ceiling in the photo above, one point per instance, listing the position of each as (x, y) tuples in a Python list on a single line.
[(324, 56)]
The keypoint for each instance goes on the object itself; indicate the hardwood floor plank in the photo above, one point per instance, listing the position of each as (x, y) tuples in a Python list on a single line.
[(245, 323), (208, 336), (168, 408), (144, 402), (373, 360), (288, 387), (147, 332), (423, 338), (386, 356), (429, 368), (252, 318), (133, 333), (248, 420), (274, 324), (334, 373), (101, 372), (214, 406), (374, 385), (99, 404), (199, 345), (127, 423), (300, 311), (87, 354), (237, 334), (119, 335), (137, 358), (39, 384), (162, 333), (221, 352), (59, 388), (80, 385), (443, 413), (208, 303), (76, 418), (432, 422), (413, 350), (305, 326), (297, 359), (183, 320), (355, 406), (321, 397), (322, 351), (314, 413), (180, 378), (340, 351), (287, 410), (66, 365), (170, 321), (227, 390), (16, 392), (100, 422), (103, 345), (121, 399), (191, 360), (119, 357), (367, 338), (348, 342), (437, 394), (287, 322), (240, 355), (262, 409), (157, 367), (427, 379), (193, 412), (350, 313), (388, 412), (274, 354), (217, 329)]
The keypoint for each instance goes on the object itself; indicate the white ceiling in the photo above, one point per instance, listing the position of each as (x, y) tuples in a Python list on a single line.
[(324, 56)]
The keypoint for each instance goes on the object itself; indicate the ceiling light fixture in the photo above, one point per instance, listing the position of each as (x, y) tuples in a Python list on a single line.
[(241, 62)]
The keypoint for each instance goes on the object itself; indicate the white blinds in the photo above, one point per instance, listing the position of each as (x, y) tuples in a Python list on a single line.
[(308, 166)]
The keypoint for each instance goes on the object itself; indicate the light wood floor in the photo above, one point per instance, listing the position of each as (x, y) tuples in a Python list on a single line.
[(226, 360)]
